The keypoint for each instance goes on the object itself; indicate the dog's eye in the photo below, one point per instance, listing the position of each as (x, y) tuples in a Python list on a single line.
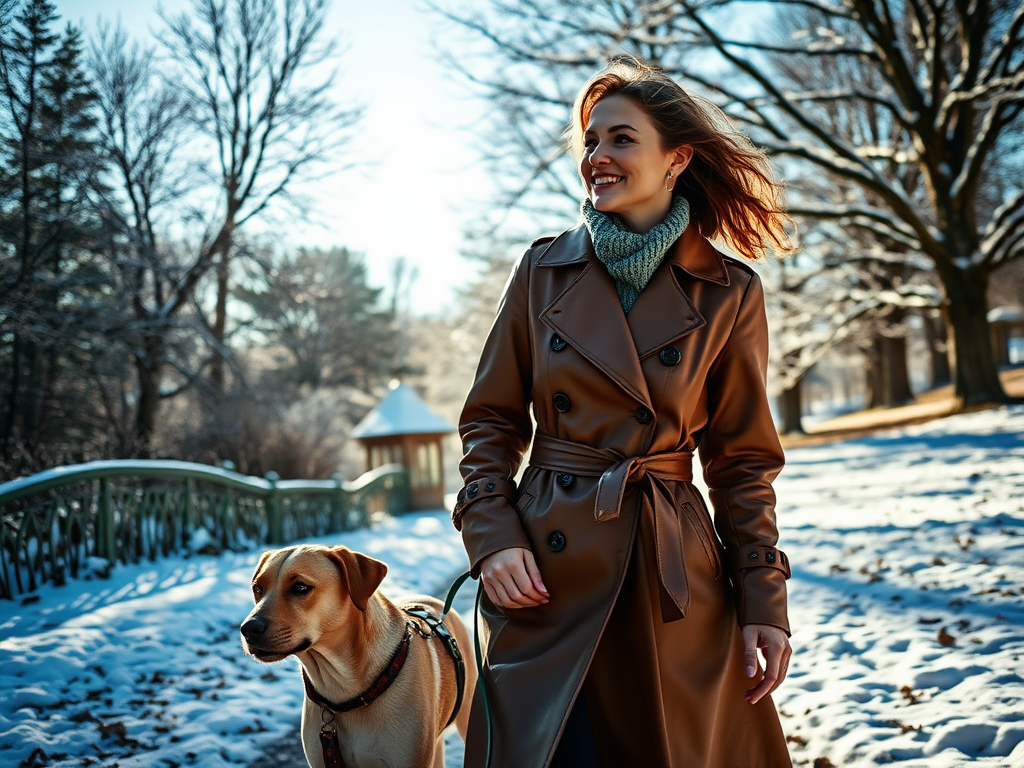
[(257, 591), (298, 588)]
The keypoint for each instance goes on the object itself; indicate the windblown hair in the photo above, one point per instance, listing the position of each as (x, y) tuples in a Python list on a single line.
[(728, 182)]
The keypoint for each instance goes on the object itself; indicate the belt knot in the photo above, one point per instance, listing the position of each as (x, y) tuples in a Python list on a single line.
[(616, 472)]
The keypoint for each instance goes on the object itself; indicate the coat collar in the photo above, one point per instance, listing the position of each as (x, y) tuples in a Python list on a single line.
[(692, 253), (662, 314)]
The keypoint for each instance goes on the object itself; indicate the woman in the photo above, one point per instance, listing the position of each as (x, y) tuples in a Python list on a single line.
[(620, 629)]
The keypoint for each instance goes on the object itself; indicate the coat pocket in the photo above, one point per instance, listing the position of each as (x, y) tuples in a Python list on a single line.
[(706, 536)]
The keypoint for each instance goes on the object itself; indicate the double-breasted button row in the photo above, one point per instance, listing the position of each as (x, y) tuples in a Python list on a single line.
[(561, 402)]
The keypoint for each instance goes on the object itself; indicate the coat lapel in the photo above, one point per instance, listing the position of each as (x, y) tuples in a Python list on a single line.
[(589, 316), (663, 312)]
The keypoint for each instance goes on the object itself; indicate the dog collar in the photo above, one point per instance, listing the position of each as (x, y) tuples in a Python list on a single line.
[(376, 689)]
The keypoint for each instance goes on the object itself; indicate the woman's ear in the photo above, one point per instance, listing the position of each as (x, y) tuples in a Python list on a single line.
[(680, 159)]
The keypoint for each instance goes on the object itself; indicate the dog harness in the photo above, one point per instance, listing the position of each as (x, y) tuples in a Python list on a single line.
[(329, 743)]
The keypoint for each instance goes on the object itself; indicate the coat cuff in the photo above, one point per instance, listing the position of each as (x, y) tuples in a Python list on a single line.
[(760, 595), (479, 490), (490, 525)]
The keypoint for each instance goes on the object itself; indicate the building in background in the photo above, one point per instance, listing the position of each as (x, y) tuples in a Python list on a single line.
[(403, 430)]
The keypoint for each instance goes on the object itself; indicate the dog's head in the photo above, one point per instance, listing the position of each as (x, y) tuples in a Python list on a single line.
[(303, 593)]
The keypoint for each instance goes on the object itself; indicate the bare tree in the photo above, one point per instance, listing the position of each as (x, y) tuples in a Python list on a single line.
[(255, 73), (948, 75), (144, 123)]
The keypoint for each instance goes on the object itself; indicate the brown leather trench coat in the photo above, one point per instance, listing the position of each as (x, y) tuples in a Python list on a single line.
[(647, 594)]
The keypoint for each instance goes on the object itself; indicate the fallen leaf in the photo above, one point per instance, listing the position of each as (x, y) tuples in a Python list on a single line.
[(946, 639)]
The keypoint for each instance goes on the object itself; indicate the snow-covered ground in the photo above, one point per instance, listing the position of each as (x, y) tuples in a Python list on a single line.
[(907, 604)]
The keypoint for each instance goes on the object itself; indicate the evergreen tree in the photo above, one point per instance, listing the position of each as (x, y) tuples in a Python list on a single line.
[(50, 280)]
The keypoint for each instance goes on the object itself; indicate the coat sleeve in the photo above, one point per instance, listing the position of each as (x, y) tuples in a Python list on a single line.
[(496, 427), (741, 455)]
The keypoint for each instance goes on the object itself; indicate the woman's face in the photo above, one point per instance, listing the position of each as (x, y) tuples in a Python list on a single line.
[(624, 167)]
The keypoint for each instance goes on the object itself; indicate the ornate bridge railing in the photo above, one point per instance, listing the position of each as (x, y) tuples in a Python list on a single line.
[(124, 511)]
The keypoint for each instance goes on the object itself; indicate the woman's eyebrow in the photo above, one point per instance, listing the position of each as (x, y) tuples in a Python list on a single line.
[(614, 128)]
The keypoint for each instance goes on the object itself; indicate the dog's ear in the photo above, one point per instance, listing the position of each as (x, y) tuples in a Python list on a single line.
[(263, 558), (362, 574)]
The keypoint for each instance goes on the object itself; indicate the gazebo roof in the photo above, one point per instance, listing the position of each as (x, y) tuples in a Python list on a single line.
[(1006, 315), (401, 413)]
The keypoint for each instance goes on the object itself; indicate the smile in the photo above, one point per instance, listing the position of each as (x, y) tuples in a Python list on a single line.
[(604, 181)]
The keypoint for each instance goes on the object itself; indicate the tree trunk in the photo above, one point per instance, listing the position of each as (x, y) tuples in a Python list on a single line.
[(148, 367), (895, 378), (938, 349), (791, 408), (874, 377), (220, 321), (13, 404), (975, 375)]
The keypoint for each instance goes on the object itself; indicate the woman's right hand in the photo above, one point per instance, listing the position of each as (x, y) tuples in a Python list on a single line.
[(511, 579)]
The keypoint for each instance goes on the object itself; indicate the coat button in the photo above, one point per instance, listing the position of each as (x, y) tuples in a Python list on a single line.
[(769, 556), (565, 479), (561, 402), (489, 487), (556, 541), (557, 343), (670, 355), (643, 415), (473, 490)]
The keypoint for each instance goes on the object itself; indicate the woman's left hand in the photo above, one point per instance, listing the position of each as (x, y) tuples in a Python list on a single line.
[(775, 648)]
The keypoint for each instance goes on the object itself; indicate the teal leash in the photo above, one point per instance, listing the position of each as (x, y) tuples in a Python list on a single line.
[(476, 650)]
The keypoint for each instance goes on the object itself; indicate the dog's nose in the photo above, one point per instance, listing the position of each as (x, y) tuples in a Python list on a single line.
[(254, 627)]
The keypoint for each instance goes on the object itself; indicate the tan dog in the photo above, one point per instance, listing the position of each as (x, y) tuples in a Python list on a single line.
[(321, 604)]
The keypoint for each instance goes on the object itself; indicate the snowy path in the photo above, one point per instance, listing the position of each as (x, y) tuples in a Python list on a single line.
[(907, 604)]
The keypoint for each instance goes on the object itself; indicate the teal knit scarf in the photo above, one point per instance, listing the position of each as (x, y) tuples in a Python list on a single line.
[(630, 257)]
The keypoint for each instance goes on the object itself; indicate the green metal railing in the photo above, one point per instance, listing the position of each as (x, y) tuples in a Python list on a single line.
[(126, 511)]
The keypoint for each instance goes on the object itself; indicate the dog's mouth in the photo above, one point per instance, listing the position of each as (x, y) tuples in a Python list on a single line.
[(269, 655)]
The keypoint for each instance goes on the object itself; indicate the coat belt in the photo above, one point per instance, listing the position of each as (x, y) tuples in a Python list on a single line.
[(651, 475)]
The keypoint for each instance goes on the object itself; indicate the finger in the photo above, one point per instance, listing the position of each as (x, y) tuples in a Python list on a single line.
[(786, 656), (525, 586), (534, 572), (772, 662), (750, 637), (514, 595), (491, 594), (504, 600)]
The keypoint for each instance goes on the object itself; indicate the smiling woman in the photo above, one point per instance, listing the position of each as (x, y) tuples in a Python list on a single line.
[(633, 343)]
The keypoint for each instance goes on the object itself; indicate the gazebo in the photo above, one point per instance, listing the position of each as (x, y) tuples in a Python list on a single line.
[(1007, 326), (403, 430)]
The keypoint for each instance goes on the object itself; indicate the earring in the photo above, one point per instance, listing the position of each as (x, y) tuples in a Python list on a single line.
[(667, 180)]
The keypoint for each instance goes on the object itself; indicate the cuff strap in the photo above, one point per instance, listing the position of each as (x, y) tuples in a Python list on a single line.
[(757, 557), (477, 490)]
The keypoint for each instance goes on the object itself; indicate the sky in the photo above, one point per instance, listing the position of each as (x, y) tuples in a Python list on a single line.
[(420, 181)]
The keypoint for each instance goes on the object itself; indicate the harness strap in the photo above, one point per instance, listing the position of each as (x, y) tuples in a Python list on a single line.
[(452, 646)]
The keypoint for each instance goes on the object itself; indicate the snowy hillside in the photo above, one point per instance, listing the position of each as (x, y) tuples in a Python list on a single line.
[(907, 604)]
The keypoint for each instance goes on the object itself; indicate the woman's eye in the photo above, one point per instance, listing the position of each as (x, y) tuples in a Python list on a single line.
[(623, 139), (298, 588)]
